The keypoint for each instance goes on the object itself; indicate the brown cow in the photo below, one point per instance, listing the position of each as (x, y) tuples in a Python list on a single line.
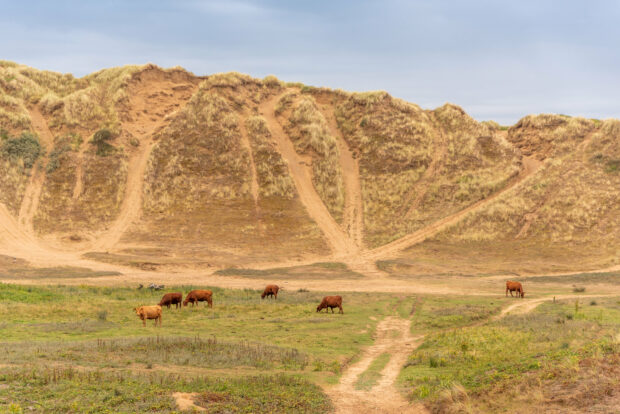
[(149, 312), (196, 296), (270, 290), (330, 302), (515, 287), (171, 299)]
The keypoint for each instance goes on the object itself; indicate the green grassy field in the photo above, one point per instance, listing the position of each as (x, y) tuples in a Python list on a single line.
[(487, 366), (82, 349)]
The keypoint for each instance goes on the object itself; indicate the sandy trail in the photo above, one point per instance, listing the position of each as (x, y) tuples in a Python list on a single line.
[(185, 401), (339, 242), (353, 209), (393, 336), (245, 143), (32, 195), (530, 166)]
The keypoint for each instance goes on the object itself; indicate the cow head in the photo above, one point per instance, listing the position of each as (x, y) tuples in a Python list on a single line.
[(185, 302), (522, 294), (262, 295), (318, 308)]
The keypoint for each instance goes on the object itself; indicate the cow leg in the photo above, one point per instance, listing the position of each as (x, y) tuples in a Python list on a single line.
[(341, 311), (144, 322)]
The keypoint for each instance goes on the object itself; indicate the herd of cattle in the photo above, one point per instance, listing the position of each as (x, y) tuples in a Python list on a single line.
[(195, 296)]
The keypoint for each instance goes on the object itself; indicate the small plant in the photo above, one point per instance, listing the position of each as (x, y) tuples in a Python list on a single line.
[(134, 142), (100, 140), (593, 303), (579, 289), (26, 148), (4, 134)]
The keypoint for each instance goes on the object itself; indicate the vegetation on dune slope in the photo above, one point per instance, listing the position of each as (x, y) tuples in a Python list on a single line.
[(573, 199), (477, 163), (416, 166), (200, 170), (394, 142), (310, 134), (397, 142)]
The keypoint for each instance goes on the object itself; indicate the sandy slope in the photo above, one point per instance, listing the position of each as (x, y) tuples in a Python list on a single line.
[(142, 122), (353, 209), (337, 239), (30, 202), (530, 166)]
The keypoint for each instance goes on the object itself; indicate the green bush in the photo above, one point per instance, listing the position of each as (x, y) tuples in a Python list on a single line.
[(26, 148), (100, 140)]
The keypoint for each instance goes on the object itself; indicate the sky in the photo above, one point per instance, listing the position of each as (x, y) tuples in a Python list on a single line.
[(499, 60)]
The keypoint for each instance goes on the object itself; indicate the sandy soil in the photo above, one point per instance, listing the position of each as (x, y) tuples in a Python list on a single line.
[(30, 202), (353, 209), (383, 397), (337, 239), (142, 123)]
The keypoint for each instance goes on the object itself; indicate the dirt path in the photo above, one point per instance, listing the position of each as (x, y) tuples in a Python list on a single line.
[(393, 336), (339, 242), (415, 196), (78, 188), (526, 306), (245, 143), (185, 401), (530, 166), (30, 202), (353, 221)]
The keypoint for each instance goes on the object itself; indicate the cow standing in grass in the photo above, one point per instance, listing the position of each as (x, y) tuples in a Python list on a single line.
[(514, 287), (196, 296), (171, 299), (149, 312), (270, 290), (330, 302)]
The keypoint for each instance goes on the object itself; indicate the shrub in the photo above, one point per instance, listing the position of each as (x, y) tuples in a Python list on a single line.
[(26, 148), (100, 140), (4, 134), (579, 289)]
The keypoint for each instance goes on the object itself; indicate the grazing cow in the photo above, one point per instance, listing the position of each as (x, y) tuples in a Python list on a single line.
[(149, 312), (270, 290), (515, 287), (196, 296), (330, 302), (171, 299)]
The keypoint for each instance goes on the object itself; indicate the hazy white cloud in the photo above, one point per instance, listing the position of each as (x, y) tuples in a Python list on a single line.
[(498, 60)]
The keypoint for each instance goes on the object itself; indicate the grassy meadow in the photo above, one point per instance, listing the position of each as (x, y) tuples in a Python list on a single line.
[(83, 349), (557, 358)]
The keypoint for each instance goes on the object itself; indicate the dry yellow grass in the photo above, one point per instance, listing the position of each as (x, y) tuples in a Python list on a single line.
[(310, 134)]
